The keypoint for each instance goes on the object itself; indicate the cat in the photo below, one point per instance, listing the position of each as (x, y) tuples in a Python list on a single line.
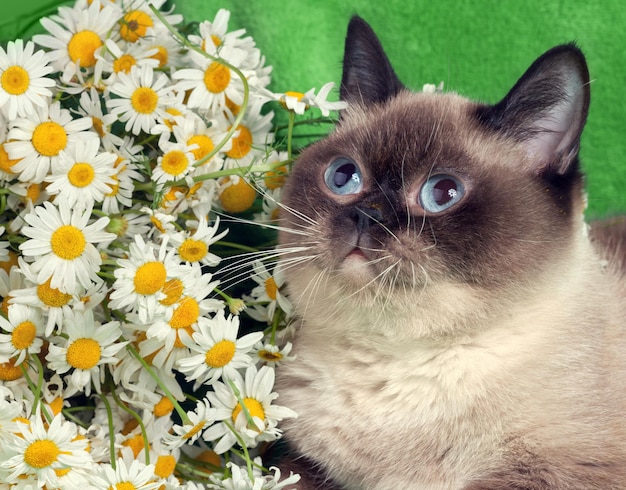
[(459, 325)]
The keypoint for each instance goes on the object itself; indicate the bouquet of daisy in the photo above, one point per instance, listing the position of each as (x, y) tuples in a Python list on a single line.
[(137, 344)]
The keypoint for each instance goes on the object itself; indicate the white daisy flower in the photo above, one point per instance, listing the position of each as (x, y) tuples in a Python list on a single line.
[(120, 58), (198, 420), (140, 279), (217, 350), (299, 102), (88, 346), (216, 32), (258, 422), (240, 479), (83, 175), (252, 137), (268, 293), (142, 98), (175, 162), (4, 247), (272, 354), (168, 50), (54, 304), (90, 105), (24, 329), (62, 245), (23, 81), (138, 21), (75, 34), (38, 140), (193, 245), (211, 82), (128, 473), (42, 451)]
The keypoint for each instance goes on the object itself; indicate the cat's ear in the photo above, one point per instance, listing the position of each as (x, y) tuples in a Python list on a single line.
[(546, 109), (367, 73)]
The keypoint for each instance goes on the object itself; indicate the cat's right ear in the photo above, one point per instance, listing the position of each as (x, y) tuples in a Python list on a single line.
[(368, 77)]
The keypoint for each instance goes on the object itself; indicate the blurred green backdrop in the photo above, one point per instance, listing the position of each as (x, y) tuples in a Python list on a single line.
[(478, 48)]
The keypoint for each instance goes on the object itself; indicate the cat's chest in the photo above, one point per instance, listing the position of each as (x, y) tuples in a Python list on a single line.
[(357, 407)]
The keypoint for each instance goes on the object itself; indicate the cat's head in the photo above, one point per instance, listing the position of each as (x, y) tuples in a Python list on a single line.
[(431, 197)]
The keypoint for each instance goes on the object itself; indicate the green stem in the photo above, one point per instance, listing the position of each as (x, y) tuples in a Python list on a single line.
[(246, 454), (107, 405), (182, 414), (135, 415)]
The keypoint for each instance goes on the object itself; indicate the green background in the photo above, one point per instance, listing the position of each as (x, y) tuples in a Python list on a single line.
[(477, 48)]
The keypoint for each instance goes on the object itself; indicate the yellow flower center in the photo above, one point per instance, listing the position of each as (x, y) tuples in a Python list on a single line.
[(114, 186), (158, 224), (83, 46), (135, 24), (33, 192), (216, 40), (49, 138), (216, 77), (185, 314), (205, 145), (174, 162), (83, 353), (192, 250), (10, 262), (271, 288), (56, 405), (276, 178), (296, 95), (162, 55), (6, 163), (135, 443), (144, 100), (68, 242), (15, 80), (23, 335), (242, 144), (237, 198), (62, 472), (194, 430), (52, 297), (270, 356), (124, 63), (173, 290), (163, 407), (9, 371), (98, 126), (125, 485), (81, 174), (150, 278), (232, 107), (41, 453), (254, 407), (220, 354), (165, 466)]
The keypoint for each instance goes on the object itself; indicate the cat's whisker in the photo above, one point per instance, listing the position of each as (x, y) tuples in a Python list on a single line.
[(226, 218)]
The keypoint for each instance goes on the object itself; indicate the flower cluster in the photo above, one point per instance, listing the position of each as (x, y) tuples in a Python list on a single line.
[(125, 358)]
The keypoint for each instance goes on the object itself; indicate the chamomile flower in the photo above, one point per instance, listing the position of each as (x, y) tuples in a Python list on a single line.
[(255, 392), (240, 480), (121, 58), (217, 350), (88, 346), (61, 245), (38, 140), (83, 175), (140, 279), (4, 247), (197, 420), (142, 100), (128, 473), (54, 304), (138, 21), (211, 82), (252, 135), (43, 450), (90, 105), (299, 102), (272, 354), (24, 329), (75, 35), (193, 246), (23, 81), (175, 163), (268, 292)]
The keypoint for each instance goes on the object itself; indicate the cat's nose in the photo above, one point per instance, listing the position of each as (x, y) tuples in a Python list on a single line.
[(365, 216)]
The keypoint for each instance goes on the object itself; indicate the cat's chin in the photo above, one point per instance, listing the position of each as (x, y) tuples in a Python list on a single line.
[(357, 268)]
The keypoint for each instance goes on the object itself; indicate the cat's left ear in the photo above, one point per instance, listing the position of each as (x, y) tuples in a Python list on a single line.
[(546, 110), (368, 77)]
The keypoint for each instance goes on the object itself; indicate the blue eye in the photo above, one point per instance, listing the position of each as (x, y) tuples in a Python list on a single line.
[(343, 177), (440, 192)]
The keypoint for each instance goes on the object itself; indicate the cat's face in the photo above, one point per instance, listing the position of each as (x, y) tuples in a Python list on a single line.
[(418, 190)]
